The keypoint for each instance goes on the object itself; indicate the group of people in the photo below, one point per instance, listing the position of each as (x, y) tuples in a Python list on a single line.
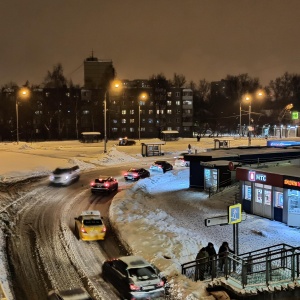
[(207, 255)]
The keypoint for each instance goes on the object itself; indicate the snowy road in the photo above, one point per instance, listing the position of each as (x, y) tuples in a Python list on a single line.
[(44, 252)]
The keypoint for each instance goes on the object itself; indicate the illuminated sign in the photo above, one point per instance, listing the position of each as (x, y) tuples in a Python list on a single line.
[(295, 115), (291, 182), (280, 144), (253, 176), (235, 214)]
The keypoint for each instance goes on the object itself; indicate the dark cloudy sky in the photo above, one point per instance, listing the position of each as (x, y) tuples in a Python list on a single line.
[(199, 39)]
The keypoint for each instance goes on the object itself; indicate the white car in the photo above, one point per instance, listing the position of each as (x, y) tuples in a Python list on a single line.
[(64, 176), (180, 161)]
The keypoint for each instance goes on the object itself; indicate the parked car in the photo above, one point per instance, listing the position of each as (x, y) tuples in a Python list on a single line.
[(161, 165), (64, 176), (73, 294), (134, 278), (89, 226), (180, 161), (136, 174), (104, 184), (126, 142)]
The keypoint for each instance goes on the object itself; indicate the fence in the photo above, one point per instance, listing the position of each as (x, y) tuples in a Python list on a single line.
[(261, 268)]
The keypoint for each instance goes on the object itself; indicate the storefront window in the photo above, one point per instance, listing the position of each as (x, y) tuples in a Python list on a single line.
[(278, 199), (247, 191), (211, 178), (258, 193), (294, 201), (268, 197)]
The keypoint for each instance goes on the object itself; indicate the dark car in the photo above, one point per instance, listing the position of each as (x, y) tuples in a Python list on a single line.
[(64, 176), (161, 165), (104, 184), (134, 278), (126, 142), (73, 294), (136, 174)]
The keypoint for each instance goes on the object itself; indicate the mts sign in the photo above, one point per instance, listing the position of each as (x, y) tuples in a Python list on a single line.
[(254, 176)]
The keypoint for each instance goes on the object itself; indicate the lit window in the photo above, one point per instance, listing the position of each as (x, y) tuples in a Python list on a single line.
[(143, 129), (131, 121), (169, 103), (123, 111), (131, 111), (150, 111), (169, 111), (123, 121), (150, 121), (131, 129), (161, 111), (114, 129), (177, 102), (115, 121)]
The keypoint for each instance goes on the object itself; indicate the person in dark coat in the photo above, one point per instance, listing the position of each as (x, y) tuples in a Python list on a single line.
[(201, 264), (222, 253), (210, 249)]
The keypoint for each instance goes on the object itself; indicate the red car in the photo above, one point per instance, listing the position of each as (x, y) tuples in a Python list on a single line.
[(136, 174), (104, 184)]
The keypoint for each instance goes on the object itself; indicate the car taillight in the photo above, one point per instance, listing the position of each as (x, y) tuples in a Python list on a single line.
[(159, 166), (135, 174), (103, 229), (106, 184), (134, 287), (83, 230), (92, 183), (160, 284), (125, 174)]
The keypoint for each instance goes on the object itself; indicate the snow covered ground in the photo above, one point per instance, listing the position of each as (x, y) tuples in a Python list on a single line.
[(159, 218)]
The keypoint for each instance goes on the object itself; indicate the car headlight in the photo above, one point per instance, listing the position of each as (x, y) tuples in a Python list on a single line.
[(51, 177)]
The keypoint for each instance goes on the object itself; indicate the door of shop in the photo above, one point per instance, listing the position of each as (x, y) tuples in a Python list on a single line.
[(262, 200)]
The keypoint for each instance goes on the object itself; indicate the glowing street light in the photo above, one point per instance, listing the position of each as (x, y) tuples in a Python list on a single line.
[(142, 98), (115, 85), (23, 93)]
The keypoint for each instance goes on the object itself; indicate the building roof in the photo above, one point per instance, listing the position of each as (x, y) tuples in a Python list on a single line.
[(284, 169)]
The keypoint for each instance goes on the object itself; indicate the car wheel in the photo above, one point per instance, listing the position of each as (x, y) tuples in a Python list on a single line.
[(117, 186), (77, 232)]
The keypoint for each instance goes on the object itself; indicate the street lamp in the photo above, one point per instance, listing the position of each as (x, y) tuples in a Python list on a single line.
[(23, 93), (142, 99), (258, 94), (115, 84)]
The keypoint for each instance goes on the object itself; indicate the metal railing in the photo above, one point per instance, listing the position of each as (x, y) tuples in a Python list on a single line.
[(261, 268)]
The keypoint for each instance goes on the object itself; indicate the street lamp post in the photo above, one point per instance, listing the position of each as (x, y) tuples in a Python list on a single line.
[(105, 131), (249, 127), (115, 84), (143, 97), (240, 118), (22, 93)]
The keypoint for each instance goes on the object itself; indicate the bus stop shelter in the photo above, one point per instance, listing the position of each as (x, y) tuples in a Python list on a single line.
[(90, 137), (169, 135), (152, 149)]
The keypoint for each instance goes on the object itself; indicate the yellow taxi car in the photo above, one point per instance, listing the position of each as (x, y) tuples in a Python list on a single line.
[(89, 226)]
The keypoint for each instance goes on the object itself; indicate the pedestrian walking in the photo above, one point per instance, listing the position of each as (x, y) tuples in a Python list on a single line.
[(210, 249), (198, 137), (223, 253), (202, 259), (189, 148)]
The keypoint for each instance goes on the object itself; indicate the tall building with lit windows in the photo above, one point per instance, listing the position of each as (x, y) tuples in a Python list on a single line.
[(163, 109)]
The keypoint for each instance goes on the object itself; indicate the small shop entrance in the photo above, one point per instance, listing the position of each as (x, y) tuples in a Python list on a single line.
[(262, 205)]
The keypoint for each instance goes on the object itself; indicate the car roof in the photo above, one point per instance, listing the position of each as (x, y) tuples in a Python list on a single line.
[(60, 170), (160, 162), (74, 294), (91, 213), (133, 261), (135, 169)]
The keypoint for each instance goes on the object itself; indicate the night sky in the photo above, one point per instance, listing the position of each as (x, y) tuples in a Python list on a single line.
[(199, 39)]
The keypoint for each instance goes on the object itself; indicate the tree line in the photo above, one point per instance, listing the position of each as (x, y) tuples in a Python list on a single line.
[(216, 105)]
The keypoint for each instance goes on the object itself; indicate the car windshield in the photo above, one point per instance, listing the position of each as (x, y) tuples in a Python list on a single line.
[(60, 171), (100, 180), (145, 273), (92, 222)]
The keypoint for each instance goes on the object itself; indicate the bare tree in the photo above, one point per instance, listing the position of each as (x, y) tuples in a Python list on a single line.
[(178, 80)]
